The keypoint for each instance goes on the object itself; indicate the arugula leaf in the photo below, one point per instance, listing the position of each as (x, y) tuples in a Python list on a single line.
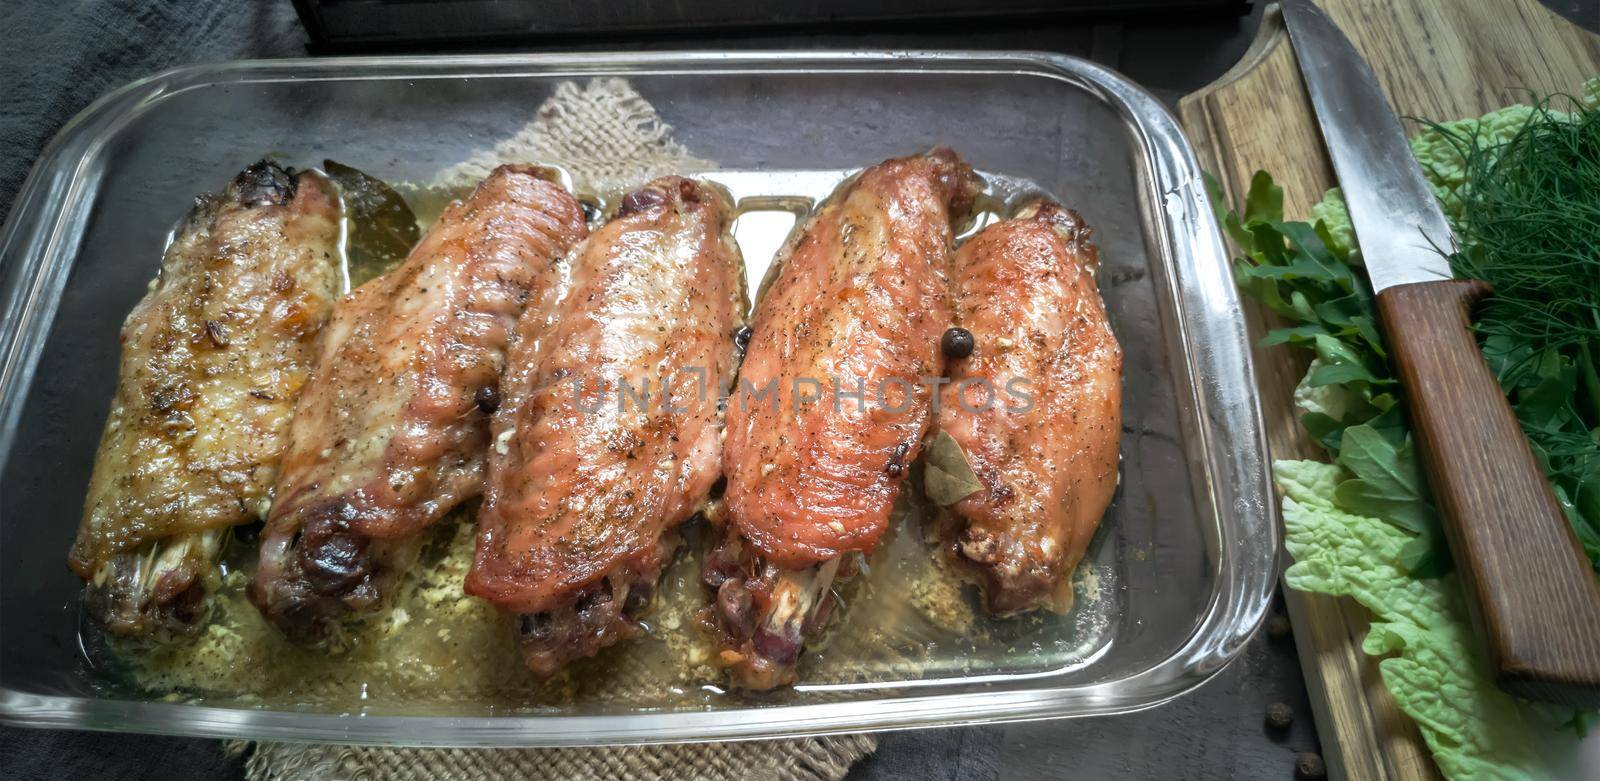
[(1582, 722), (1543, 402), (1388, 483), (1230, 221), (1300, 335), (1340, 374), (1300, 272), (1264, 202), (1426, 555), (1309, 250)]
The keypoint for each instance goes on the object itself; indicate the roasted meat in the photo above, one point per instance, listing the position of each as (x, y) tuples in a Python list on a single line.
[(392, 428), (833, 400), (213, 358), (1037, 408), (608, 433)]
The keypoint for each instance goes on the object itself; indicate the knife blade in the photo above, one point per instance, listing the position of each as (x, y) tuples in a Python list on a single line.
[(1391, 206), (1533, 595)]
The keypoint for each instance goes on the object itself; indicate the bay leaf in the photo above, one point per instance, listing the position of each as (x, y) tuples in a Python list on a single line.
[(947, 478), (381, 228)]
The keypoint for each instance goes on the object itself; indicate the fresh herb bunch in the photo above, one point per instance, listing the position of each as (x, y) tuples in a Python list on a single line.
[(1530, 226), (1350, 396), (1520, 186)]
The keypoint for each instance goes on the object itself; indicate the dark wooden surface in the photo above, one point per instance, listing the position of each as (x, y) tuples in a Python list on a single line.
[(1435, 59), (1541, 623)]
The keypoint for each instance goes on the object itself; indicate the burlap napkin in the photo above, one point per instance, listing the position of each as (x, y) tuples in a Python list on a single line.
[(608, 138), (604, 133), (782, 760)]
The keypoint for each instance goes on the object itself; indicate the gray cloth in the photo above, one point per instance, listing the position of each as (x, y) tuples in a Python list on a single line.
[(60, 55)]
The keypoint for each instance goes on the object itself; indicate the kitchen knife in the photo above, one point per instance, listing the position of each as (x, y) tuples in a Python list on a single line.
[(1533, 595)]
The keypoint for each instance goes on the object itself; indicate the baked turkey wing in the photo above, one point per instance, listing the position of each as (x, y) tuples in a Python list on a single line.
[(609, 431), (833, 399), (213, 358), (391, 431), (1037, 408)]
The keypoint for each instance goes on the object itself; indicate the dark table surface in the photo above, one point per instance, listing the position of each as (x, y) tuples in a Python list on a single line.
[(63, 54)]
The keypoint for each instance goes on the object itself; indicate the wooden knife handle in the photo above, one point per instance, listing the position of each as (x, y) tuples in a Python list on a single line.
[(1531, 590)]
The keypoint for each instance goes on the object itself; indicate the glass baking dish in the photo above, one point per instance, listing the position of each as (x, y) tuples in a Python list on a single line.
[(1184, 563)]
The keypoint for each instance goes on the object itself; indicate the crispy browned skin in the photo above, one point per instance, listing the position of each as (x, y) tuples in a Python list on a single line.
[(1046, 455), (391, 431), (584, 493), (859, 301), (860, 295), (213, 358)]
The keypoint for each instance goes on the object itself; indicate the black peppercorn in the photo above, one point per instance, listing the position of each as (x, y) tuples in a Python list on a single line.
[(956, 343), (741, 338), (1279, 716), (1309, 767), (488, 399)]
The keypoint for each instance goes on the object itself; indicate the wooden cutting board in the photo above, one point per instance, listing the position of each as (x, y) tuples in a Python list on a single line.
[(1436, 59)]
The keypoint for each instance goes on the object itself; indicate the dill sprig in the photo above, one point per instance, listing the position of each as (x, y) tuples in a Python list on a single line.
[(1529, 225)]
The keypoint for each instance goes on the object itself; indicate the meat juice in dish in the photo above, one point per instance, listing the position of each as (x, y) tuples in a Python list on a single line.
[(857, 302), (609, 433), (1036, 408), (391, 430), (213, 358)]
